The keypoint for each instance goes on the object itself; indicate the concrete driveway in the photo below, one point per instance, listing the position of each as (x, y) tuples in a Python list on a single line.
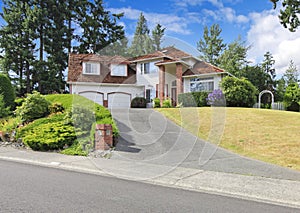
[(147, 136)]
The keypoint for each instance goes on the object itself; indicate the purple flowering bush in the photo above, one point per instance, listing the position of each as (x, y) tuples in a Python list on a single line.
[(216, 98)]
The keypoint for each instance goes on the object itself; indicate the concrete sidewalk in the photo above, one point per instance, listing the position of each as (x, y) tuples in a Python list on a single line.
[(271, 190)]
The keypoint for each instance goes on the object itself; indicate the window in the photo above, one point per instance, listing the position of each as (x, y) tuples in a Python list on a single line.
[(118, 70), (147, 68), (91, 68), (202, 84)]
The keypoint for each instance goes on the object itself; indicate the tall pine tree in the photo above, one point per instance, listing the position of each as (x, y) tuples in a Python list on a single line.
[(211, 45)]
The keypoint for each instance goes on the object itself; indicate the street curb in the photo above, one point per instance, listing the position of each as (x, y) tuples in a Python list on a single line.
[(164, 181)]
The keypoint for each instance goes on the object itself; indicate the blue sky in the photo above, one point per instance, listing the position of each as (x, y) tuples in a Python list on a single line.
[(254, 20)]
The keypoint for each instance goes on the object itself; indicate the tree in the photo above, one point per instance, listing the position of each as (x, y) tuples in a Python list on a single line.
[(256, 75), (289, 15), (238, 92), (211, 45), (7, 90), (116, 48), (280, 90), (142, 43), (157, 35), (268, 67), (292, 97), (291, 75), (233, 59), (99, 27)]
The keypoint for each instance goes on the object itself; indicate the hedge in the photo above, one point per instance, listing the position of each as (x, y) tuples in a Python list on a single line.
[(7, 90), (138, 102), (193, 99)]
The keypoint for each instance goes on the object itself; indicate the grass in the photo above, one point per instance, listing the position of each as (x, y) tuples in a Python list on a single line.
[(268, 135)]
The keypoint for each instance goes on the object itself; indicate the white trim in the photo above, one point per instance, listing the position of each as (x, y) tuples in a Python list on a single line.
[(104, 84), (206, 74)]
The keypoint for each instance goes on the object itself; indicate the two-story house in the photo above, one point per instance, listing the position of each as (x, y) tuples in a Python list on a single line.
[(113, 81)]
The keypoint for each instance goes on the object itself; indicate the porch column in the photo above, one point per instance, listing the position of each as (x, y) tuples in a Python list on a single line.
[(179, 82), (161, 86)]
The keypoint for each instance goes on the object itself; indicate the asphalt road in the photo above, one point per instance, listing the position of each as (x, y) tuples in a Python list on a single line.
[(27, 188)]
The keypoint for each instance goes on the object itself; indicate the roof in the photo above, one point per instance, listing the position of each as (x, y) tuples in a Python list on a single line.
[(168, 52), (101, 58), (202, 67)]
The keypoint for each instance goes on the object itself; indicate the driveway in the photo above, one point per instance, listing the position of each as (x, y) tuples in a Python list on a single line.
[(147, 136)]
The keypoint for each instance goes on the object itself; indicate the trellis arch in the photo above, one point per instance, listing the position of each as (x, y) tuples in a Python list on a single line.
[(263, 92)]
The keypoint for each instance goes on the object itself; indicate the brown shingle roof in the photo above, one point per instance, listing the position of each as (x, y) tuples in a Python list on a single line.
[(168, 52), (202, 67)]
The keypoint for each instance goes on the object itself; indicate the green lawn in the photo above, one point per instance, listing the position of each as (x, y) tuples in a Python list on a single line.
[(268, 135)]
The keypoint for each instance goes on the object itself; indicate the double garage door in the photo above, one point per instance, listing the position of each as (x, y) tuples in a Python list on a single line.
[(115, 99)]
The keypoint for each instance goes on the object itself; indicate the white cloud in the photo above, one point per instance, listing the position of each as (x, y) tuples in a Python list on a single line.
[(267, 34), (172, 23)]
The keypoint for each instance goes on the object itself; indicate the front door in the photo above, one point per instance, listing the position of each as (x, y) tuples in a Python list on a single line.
[(174, 96), (148, 94)]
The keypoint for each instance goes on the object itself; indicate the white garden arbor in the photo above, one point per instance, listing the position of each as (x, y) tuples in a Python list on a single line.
[(263, 92)]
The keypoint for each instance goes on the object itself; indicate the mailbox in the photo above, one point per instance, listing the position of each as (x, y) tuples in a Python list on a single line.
[(103, 137)]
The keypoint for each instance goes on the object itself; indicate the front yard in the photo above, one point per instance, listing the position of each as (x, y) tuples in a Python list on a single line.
[(268, 135)]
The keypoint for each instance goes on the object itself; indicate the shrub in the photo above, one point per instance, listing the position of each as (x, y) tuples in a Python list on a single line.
[(7, 90), (193, 99), (56, 107), (4, 110), (75, 149), (138, 102), (50, 136), (292, 97), (35, 106), (216, 98), (81, 117), (167, 103), (156, 102), (19, 101), (238, 92)]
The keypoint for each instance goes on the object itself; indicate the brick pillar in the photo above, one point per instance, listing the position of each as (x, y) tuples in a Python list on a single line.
[(161, 86), (179, 81)]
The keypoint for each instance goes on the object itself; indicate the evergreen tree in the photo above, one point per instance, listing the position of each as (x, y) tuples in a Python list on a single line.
[(291, 75), (142, 43), (256, 75), (116, 48), (211, 45), (157, 35), (233, 59), (289, 15), (268, 67)]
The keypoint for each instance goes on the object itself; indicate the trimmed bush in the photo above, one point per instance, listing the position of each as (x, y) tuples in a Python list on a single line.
[(193, 99), (138, 102), (56, 108), (167, 103), (50, 136), (238, 92), (156, 102), (7, 90), (35, 106)]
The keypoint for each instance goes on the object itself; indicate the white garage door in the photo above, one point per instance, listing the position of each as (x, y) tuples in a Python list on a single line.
[(118, 100), (93, 96)]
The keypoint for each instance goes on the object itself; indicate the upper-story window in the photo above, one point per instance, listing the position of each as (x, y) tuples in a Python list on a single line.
[(91, 68), (148, 67), (118, 69)]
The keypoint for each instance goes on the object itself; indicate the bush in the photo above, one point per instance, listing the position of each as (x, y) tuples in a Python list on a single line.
[(138, 102), (50, 136), (56, 108), (81, 117), (35, 106), (292, 97), (216, 98), (156, 102), (167, 103), (193, 99), (238, 92), (75, 149), (4, 110), (7, 90)]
